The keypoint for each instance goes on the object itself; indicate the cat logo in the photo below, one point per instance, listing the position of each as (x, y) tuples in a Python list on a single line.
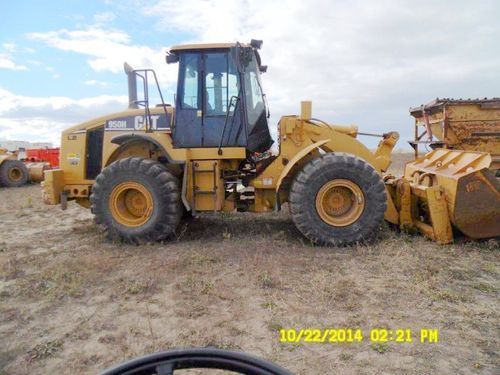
[(140, 124)]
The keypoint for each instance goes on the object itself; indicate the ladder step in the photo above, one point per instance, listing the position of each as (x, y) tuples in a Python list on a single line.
[(205, 192), (204, 170)]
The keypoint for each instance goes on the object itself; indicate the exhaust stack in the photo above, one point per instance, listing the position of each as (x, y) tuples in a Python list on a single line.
[(132, 86)]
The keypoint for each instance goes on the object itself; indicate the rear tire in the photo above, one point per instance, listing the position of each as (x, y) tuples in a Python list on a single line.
[(338, 199), (13, 173), (137, 200)]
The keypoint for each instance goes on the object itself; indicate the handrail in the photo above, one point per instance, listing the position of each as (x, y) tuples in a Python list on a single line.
[(236, 100), (145, 102)]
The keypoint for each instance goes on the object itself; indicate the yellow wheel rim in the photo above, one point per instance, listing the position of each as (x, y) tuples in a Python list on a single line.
[(131, 204), (15, 174), (340, 202)]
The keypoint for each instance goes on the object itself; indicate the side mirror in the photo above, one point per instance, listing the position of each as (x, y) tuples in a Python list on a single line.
[(171, 58), (257, 44)]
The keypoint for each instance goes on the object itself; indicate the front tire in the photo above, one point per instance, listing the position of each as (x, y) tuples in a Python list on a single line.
[(13, 173), (137, 200), (338, 199)]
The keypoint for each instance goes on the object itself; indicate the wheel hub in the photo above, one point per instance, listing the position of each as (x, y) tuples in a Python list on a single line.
[(131, 204), (340, 202), (15, 174)]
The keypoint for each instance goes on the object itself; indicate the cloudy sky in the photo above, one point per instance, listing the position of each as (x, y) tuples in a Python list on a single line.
[(362, 62)]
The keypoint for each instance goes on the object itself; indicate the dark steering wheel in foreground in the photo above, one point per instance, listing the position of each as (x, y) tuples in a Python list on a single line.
[(167, 362)]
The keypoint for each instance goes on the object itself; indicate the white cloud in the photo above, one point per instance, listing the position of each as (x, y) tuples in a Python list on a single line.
[(93, 82), (107, 50), (359, 61), (104, 17), (6, 59), (43, 118), (7, 63), (11, 47)]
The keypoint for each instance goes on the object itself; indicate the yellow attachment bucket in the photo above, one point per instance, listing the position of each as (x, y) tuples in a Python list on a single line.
[(471, 190)]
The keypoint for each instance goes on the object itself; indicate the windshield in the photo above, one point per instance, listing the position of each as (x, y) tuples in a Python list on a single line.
[(254, 96), (221, 82)]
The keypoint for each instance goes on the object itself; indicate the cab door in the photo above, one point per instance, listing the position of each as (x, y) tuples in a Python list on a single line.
[(222, 120), (209, 104), (188, 107)]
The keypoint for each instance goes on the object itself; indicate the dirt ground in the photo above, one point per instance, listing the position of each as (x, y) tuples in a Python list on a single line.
[(71, 301)]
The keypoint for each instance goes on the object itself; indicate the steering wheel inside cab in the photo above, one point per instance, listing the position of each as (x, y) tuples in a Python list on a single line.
[(168, 362)]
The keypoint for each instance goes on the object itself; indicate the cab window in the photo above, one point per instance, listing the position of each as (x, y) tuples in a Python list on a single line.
[(221, 83), (254, 95), (190, 92)]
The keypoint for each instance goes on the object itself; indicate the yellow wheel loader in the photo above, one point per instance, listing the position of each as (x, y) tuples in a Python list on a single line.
[(13, 172), (141, 169)]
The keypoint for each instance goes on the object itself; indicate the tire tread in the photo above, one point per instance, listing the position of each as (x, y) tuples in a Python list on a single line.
[(304, 213), (168, 197)]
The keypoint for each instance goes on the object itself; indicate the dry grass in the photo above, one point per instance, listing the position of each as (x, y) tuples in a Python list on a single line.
[(73, 302)]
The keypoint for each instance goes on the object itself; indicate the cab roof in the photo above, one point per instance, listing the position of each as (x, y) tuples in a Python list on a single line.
[(187, 47)]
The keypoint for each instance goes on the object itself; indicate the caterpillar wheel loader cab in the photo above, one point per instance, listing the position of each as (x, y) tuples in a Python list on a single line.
[(141, 169)]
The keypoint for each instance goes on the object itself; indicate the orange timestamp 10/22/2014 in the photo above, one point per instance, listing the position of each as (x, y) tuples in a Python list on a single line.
[(350, 335)]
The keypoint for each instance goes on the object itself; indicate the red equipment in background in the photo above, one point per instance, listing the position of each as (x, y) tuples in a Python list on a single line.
[(48, 155)]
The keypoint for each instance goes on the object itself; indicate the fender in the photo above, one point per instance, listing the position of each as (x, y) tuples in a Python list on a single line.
[(296, 159), (129, 138), (4, 157)]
